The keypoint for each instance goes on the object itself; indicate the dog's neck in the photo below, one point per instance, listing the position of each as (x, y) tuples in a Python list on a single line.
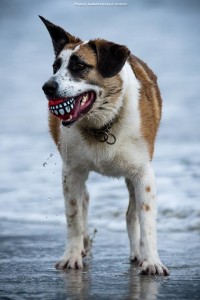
[(103, 134), (100, 125)]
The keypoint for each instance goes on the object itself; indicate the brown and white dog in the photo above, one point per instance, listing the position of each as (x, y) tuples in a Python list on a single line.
[(105, 109)]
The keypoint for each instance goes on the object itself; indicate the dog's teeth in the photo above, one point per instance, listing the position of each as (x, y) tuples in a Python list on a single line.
[(55, 112), (65, 104), (67, 109), (60, 105), (56, 107), (72, 106), (84, 99), (61, 111)]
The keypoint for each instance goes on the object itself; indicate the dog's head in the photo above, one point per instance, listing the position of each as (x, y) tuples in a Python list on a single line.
[(85, 76)]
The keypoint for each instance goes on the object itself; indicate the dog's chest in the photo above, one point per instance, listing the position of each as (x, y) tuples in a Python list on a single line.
[(120, 159)]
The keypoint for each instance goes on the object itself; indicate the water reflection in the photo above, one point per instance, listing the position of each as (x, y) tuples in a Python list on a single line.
[(127, 285), (142, 287), (77, 283)]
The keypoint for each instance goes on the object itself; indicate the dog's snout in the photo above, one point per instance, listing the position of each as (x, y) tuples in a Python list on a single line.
[(50, 87)]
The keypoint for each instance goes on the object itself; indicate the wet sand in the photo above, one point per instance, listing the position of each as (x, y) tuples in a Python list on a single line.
[(28, 253)]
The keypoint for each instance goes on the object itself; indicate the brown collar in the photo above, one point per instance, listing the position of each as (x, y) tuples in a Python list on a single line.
[(103, 134)]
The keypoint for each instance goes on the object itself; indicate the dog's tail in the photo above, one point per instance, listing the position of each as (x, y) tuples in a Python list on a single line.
[(54, 128)]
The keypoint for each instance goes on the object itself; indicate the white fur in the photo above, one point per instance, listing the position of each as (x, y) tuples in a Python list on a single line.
[(68, 87), (128, 157)]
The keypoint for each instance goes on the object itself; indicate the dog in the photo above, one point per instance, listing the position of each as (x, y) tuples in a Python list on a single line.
[(104, 113)]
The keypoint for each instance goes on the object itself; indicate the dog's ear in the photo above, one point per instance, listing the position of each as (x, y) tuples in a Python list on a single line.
[(59, 36), (111, 57)]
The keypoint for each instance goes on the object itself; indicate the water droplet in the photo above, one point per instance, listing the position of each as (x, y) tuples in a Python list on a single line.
[(44, 164)]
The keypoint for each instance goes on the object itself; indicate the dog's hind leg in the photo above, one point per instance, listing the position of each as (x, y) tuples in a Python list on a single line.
[(145, 192), (74, 193), (132, 223), (86, 237)]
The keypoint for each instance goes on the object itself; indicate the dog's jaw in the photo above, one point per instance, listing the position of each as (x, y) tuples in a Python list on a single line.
[(70, 109)]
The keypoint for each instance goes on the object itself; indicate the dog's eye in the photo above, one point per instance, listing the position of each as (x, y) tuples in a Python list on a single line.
[(77, 66), (56, 65), (80, 66)]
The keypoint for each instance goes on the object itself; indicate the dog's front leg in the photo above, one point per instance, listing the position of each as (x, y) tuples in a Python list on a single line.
[(74, 192), (145, 192)]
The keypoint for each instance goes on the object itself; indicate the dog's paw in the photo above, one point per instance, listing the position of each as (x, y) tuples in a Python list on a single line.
[(71, 261), (134, 258), (153, 267)]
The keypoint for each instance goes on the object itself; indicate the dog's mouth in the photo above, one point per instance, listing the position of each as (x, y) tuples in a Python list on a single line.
[(70, 109)]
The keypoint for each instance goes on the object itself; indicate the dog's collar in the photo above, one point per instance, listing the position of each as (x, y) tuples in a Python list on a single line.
[(103, 134)]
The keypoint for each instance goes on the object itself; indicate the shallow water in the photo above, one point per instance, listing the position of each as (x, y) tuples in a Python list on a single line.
[(168, 40), (164, 34)]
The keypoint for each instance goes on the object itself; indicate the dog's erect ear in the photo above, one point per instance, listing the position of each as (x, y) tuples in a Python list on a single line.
[(111, 57), (59, 36)]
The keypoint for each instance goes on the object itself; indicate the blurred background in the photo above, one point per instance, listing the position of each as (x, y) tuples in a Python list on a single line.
[(163, 33)]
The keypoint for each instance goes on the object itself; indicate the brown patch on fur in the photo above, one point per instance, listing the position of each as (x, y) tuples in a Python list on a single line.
[(72, 45), (150, 101), (64, 179), (72, 202), (147, 189), (72, 215), (87, 54), (65, 188), (87, 198), (145, 207), (54, 128)]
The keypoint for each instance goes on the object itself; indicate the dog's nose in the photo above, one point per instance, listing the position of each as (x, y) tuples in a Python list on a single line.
[(50, 87)]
